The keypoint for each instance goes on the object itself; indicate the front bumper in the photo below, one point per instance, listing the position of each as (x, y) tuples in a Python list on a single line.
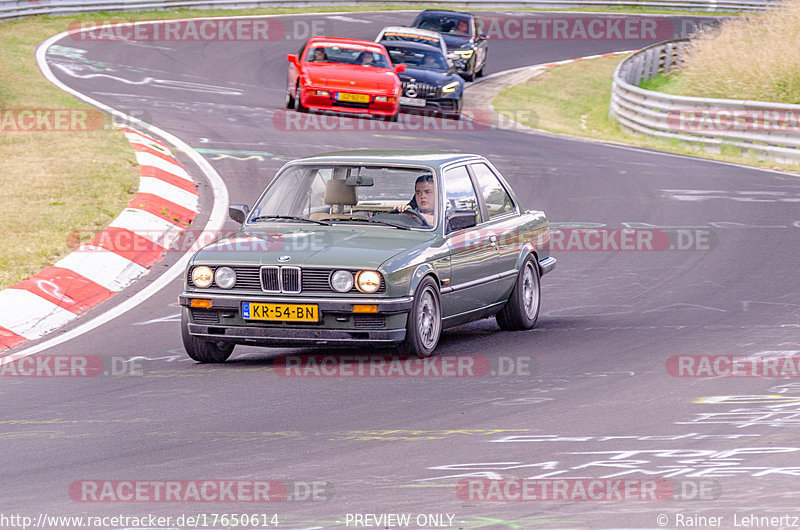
[(325, 103), (267, 336), (338, 325), (441, 105)]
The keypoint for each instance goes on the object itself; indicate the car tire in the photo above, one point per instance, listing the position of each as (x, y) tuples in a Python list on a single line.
[(289, 98), (200, 350), (298, 105), (469, 77), (522, 308), (454, 114), (393, 118), (424, 323)]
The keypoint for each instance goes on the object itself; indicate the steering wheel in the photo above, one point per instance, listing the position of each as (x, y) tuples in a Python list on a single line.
[(417, 215)]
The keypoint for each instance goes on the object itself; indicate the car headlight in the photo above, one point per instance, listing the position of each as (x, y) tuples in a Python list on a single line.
[(202, 276), (368, 281), (449, 88), (225, 277), (465, 54), (341, 281)]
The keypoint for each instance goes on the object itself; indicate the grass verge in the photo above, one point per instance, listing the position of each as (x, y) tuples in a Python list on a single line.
[(756, 57), (574, 99)]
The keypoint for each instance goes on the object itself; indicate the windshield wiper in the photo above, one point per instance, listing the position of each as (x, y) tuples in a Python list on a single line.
[(290, 218), (350, 219)]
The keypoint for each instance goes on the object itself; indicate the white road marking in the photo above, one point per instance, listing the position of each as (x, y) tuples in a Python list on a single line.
[(344, 18)]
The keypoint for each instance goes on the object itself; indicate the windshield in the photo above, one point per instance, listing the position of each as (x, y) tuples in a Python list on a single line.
[(449, 24), (351, 194), (410, 37), (415, 58), (328, 53)]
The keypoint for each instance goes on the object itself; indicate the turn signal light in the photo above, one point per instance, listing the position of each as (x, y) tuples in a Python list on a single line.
[(365, 308), (200, 302)]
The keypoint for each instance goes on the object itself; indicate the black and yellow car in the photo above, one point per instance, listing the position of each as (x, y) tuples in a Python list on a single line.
[(462, 36), (368, 247)]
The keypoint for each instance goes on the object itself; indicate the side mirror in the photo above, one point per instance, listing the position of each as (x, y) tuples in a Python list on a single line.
[(238, 212), (292, 58), (461, 219), (400, 68), (483, 36)]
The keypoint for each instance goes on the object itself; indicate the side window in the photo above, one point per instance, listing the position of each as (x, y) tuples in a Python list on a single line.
[(494, 195), (460, 192)]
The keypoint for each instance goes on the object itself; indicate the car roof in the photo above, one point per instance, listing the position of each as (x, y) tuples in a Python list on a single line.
[(411, 45), (390, 156), (444, 12)]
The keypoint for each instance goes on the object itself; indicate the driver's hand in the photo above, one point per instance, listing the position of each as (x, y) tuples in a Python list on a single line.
[(402, 208)]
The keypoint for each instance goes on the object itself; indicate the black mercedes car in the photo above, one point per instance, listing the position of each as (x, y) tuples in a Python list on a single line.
[(460, 32), (430, 83)]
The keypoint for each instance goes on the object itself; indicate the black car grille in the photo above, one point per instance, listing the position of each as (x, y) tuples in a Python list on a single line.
[(205, 316), (350, 104), (421, 90), (288, 280), (369, 321), (281, 279)]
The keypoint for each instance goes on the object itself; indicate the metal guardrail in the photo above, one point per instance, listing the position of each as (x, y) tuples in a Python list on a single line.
[(770, 129), (13, 9)]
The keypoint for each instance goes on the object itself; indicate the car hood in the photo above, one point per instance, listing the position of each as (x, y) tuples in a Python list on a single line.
[(347, 246), (428, 76), (350, 77), (455, 42)]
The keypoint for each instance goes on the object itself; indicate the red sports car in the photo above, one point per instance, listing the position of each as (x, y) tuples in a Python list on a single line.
[(344, 75)]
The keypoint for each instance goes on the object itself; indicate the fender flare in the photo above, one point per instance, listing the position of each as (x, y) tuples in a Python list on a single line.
[(528, 250), (422, 270)]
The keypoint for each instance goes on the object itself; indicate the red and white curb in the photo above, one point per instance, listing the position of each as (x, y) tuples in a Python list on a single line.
[(567, 61), (164, 205)]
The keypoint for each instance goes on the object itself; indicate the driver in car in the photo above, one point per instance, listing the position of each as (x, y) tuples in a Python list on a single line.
[(424, 199)]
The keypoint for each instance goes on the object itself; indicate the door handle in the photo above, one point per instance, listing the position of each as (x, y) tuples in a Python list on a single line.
[(493, 240)]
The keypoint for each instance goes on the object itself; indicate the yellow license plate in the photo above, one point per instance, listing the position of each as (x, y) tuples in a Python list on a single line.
[(355, 98), (287, 312)]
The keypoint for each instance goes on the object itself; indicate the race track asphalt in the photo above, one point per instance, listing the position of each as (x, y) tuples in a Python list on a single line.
[(590, 396)]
